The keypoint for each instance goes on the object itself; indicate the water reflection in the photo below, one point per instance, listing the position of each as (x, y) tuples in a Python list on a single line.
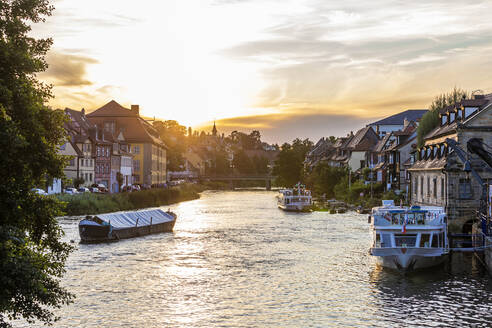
[(235, 260), (452, 295)]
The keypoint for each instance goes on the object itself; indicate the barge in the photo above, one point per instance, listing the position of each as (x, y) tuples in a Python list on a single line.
[(121, 225)]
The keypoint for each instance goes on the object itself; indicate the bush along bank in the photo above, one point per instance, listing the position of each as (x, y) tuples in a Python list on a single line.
[(93, 203)]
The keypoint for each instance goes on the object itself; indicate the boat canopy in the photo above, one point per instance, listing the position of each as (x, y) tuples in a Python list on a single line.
[(137, 218)]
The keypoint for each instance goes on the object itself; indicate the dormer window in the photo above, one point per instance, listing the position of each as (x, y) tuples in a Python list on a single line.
[(428, 153), (469, 111), (451, 117), (459, 114), (422, 154), (434, 152), (444, 118)]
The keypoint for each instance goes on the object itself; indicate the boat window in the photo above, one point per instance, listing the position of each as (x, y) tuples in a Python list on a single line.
[(385, 240), (420, 218), (405, 240), (425, 240), (435, 240), (377, 240)]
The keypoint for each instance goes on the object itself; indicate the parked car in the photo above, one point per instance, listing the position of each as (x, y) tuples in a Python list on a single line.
[(83, 189), (71, 191), (94, 189), (100, 187), (39, 191), (126, 188)]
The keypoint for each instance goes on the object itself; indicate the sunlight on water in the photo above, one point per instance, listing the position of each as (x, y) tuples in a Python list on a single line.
[(235, 260)]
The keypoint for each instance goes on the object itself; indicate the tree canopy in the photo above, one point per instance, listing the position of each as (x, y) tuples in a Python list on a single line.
[(290, 162), (430, 120), (32, 256)]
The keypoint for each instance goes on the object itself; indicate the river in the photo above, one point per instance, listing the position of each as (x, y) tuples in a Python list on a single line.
[(235, 260)]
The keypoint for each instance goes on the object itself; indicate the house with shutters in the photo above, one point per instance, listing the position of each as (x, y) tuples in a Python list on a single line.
[(437, 176)]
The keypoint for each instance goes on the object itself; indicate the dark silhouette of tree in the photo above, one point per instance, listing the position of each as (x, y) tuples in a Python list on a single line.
[(430, 120), (32, 256), (290, 162)]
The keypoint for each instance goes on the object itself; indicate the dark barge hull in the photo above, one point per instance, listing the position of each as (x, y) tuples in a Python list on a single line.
[(99, 234)]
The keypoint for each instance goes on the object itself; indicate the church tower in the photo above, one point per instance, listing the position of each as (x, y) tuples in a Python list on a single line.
[(214, 130)]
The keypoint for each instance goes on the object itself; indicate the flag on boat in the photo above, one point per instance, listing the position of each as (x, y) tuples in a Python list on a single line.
[(404, 227)]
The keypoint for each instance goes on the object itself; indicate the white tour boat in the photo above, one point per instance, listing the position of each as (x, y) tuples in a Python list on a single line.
[(297, 199), (409, 238)]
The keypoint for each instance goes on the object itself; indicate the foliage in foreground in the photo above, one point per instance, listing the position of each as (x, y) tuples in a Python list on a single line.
[(32, 257)]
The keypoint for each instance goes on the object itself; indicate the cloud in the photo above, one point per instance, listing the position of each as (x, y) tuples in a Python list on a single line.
[(66, 69), (281, 127)]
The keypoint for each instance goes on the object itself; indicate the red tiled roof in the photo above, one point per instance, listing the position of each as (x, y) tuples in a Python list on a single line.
[(111, 109)]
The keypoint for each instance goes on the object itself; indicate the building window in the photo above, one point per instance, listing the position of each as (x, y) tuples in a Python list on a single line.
[(72, 162), (465, 189), (434, 187), (98, 151), (428, 187), (136, 149), (416, 186), (90, 177), (422, 187), (136, 164), (109, 126), (136, 178)]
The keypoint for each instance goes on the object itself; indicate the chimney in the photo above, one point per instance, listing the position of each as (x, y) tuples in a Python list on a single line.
[(83, 111), (136, 109), (406, 122)]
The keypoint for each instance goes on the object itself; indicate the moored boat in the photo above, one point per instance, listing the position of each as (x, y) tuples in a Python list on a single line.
[(409, 238), (122, 225), (297, 199)]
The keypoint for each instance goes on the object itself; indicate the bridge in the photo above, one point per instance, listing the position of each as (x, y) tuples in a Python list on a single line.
[(241, 177)]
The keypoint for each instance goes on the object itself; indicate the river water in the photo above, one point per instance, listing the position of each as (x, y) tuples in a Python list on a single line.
[(235, 260)]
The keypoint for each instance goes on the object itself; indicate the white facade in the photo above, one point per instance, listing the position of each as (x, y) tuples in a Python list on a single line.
[(356, 159)]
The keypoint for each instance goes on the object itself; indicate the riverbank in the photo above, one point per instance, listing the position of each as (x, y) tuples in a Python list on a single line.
[(93, 203)]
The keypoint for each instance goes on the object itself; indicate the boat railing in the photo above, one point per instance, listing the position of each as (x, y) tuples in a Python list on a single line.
[(404, 218)]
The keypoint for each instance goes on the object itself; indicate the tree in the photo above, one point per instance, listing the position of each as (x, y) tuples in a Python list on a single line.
[(174, 136), (430, 120), (78, 181), (32, 256), (290, 162), (119, 180), (242, 163)]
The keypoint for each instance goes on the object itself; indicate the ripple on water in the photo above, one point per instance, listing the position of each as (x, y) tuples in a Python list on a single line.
[(235, 260)]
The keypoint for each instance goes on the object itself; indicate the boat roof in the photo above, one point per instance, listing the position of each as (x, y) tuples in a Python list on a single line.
[(134, 218)]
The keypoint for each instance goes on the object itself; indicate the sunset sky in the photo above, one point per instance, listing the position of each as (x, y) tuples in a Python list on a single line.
[(303, 68)]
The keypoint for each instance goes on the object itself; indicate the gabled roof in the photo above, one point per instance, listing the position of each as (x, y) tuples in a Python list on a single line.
[(398, 119), (134, 128), (364, 139), (112, 109), (378, 147)]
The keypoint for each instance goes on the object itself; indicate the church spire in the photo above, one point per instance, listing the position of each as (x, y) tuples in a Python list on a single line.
[(214, 130)]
